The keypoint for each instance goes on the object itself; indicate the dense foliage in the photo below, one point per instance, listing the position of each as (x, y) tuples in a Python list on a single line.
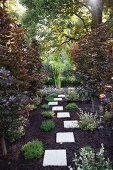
[(15, 9), (20, 68), (64, 21), (59, 65), (94, 60)]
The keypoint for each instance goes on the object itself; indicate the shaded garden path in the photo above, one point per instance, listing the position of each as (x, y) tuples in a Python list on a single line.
[(82, 138)]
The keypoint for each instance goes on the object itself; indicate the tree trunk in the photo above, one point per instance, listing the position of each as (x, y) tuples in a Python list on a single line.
[(4, 149), (97, 12)]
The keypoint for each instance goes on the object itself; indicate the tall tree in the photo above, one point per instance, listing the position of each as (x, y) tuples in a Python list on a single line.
[(94, 61), (18, 69)]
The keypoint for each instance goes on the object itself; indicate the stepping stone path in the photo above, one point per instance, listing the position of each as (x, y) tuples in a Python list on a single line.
[(56, 108), (61, 95), (52, 103), (71, 124), (63, 114), (62, 137), (57, 99), (58, 157), (55, 158)]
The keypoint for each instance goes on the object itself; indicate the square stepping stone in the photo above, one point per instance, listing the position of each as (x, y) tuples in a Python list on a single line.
[(61, 95), (52, 103), (71, 124), (63, 114), (62, 137), (71, 88), (55, 158), (57, 99), (56, 108)]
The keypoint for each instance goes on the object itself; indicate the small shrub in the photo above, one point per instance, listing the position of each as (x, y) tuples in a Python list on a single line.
[(89, 160), (45, 106), (108, 116), (71, 106), (72, 97), (13, 135), (47, 114), (50, 97), (88, 121), (47, 125), (33, 149)]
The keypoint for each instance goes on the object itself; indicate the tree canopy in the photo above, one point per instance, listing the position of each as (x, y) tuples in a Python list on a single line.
[(15, 9), (64, 20)]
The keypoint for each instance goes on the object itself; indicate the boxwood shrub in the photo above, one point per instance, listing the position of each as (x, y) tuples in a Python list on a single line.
[(71, 106), (47, 114), (50, 97), (33, 149), (47, 125)]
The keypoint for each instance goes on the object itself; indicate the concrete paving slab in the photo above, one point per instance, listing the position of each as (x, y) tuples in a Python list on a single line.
[(56, 108), (53, 103), (55, 158), (58, 99), (63, 114), (61, 95), (71, 124), (62, 137)]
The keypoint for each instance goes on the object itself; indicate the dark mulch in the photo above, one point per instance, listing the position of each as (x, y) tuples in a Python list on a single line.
[(82, 138)]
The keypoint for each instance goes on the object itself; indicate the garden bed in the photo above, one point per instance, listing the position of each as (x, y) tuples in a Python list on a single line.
[(16, 160)]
